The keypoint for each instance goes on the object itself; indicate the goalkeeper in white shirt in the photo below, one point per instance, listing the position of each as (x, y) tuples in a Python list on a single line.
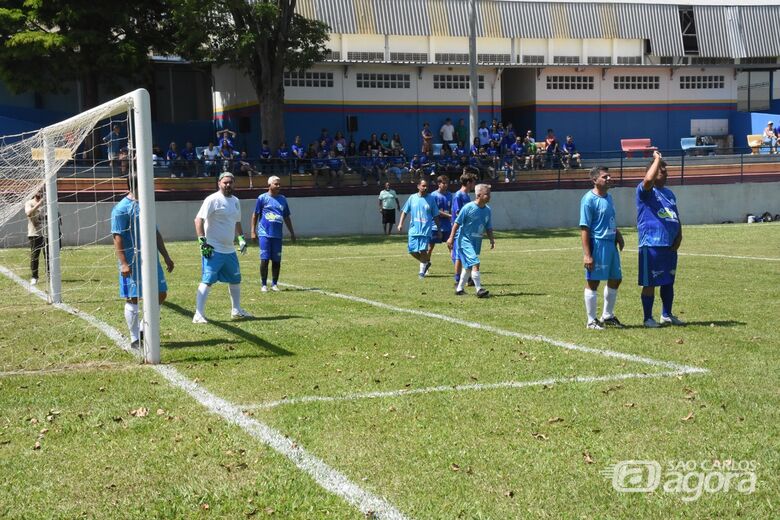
[(218, 225)]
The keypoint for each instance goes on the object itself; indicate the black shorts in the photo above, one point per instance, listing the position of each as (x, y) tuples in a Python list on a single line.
[(388, 216)]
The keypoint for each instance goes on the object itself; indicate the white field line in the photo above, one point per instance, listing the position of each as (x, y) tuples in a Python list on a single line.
[(80, 367), (503, 332), (461, 388), (326, 476)]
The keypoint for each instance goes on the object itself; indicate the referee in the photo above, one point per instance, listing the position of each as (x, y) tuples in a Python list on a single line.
[(388, 204)]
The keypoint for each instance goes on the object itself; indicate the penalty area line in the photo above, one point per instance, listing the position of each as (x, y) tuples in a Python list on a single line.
[(327, 477), (461, 388), (503, 332)]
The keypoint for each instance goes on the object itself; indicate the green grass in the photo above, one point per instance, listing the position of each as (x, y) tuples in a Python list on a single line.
[(471, 454)]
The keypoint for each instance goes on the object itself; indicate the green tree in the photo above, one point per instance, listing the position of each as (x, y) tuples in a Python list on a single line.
[(261, 38), (46, 44)]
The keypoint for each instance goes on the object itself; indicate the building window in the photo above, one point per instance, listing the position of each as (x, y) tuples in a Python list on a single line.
[(455, 81), (366, 56), (308, 79), (533, 59), (415, 57), (569, 82), (629, 60), (332, 56), (381, 80), (566, 60), (637, 82), (702, 82), (494, 58), (599, 60), (451, 57)]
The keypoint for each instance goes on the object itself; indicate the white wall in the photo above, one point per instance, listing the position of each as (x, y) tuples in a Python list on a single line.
[(358, 215)]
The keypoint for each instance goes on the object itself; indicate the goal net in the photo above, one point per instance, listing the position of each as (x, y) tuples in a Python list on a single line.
[(58, 186)]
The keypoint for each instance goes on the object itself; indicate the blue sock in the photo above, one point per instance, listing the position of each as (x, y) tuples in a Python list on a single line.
[(667, 298), (457, 278), (647, 306)]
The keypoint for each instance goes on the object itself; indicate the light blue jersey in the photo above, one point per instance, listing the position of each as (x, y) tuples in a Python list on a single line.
[(598, 215), (473, 221), (421, 211), (271, 211), (657, 220)]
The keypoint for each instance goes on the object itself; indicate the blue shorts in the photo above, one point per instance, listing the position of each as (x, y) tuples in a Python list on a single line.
[(418, 243), (221, 267), (454, 252), (130, 287), (468, 251), (271, 249), (657, 266), (606, 261)]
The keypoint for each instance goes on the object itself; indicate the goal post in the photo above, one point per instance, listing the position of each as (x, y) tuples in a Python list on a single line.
[(35, 160)]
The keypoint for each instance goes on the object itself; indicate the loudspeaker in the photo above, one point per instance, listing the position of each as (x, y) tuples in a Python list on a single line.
[(244, 125), (352, 124)]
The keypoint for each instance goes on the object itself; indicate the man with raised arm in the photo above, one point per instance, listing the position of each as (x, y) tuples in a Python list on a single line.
[(271, 210), (218, 225), (660, 235), (600, 242), (126, 230)]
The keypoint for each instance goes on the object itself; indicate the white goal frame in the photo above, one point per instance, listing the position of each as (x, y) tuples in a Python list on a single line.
[(138, 101)]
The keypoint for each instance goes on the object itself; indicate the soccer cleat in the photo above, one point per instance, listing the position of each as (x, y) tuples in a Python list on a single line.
[(421, 276), (459, 293), (199, 318), (650, 323), (595, 325), (33, 281), (427, 266), (671, 320), (612, 322), (275, 288), (240, 313), (264, 289), (483, 293), (470, 283)]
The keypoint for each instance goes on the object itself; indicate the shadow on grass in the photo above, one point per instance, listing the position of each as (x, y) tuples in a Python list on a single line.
[(236, 331), (514, 294), (202, 343), (717, 323)]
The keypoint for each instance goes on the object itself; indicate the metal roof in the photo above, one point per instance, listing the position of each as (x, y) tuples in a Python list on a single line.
[(724, 31)]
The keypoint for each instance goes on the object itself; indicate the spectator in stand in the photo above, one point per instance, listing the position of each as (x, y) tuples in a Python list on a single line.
[(518, 153), (373, 145), (442, 162), (509, 137), (497, 133), (508, 163), (190, 159), (319, 166), (447, 132), (384, 143), (427, 139), (530, 152), (226, 136), (115, 141), (340, 144), (158, 157), (483, 133), (366, 165), (551, 148), (245, 167), (336, 168), (770, 139), (283, 154), (226, 156), (570, 155), (460, 149), (418, 166), (266, 166), (326, 139), (210, 155), (175, 162), (494, 159), (395, 143), (396, 165), (461, 131), (362, 147), (530, 136), (475, 146), (297, 154)]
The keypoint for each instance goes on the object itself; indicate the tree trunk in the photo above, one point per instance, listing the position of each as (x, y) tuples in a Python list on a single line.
[(270, 95)]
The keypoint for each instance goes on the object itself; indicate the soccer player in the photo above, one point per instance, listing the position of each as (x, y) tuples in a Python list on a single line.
[(126, 229), (36, 222), (270, 210), (600, 236), (460, 199), (473, 221), (423, 212), (660, 235), (388, 203), (443, 199), (218, 224)]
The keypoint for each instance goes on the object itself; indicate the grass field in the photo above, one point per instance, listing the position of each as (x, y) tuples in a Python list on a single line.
[(424, 404)]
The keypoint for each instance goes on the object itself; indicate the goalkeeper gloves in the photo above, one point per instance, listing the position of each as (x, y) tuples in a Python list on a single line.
[(241, 244), (205, 248)]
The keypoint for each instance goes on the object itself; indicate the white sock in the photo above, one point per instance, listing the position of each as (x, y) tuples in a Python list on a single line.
[(131, 317), (422, 267), (235, 295), (591, 303), (610, 297), (475, 276), (200, 299), (464, 278)]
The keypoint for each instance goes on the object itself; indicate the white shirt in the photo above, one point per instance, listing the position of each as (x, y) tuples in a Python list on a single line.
[(221, 214), (447, 131), (210, 154)]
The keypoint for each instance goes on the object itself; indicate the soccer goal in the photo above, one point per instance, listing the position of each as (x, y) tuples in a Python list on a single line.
[(81, 167)]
